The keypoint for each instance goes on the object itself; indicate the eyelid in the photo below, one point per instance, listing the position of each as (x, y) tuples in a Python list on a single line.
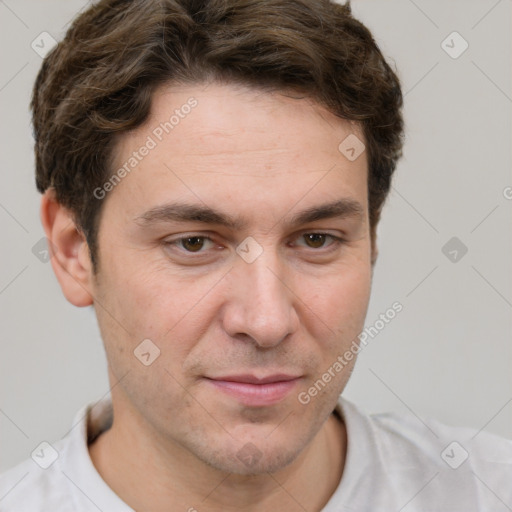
[(336, 242), (175, 242)]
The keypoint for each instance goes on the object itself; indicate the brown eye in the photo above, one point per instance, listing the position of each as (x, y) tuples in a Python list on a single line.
[(315, 240), (193, 243)]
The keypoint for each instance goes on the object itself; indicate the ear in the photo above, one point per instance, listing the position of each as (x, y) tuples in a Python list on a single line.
[(69, 251)]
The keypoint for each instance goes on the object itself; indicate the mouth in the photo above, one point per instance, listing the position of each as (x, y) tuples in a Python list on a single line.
[(256, 391)]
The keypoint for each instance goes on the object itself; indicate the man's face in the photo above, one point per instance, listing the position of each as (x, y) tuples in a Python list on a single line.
[(243, 325)]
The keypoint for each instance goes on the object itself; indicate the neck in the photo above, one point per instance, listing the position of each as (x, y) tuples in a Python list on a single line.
[(177, 480)]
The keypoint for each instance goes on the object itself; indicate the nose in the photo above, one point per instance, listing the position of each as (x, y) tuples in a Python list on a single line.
[(260, 303)]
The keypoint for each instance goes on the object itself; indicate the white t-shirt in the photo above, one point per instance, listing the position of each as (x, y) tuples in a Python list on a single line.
[(394, 463)]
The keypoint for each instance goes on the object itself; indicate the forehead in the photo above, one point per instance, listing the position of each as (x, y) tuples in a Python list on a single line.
[(221, 142)]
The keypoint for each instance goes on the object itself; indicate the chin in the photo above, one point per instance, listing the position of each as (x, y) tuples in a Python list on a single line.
[(250, 460), (252, 455)]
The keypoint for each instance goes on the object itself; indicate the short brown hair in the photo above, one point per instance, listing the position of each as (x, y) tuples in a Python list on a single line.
[(98, 82)]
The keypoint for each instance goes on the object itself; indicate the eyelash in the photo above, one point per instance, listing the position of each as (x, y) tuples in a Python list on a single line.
[(336, 242)]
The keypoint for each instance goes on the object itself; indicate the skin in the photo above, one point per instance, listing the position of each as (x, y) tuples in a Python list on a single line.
[(263, 157)]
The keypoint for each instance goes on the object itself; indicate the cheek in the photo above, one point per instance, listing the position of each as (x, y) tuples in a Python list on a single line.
[(152, 301), (174, 312), (338, 304)]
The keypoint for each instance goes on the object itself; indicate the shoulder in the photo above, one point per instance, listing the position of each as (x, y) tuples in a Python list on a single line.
[(432, 438), (456, 466), (32, 488), (61, 477)]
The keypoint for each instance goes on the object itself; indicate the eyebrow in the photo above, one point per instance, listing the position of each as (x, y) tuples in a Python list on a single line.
[(184, 212)]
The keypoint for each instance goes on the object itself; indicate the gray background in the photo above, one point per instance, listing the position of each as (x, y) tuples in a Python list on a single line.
[(446, 355)]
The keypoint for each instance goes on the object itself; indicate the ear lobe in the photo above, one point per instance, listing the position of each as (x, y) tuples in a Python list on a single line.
[(68, 251)]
